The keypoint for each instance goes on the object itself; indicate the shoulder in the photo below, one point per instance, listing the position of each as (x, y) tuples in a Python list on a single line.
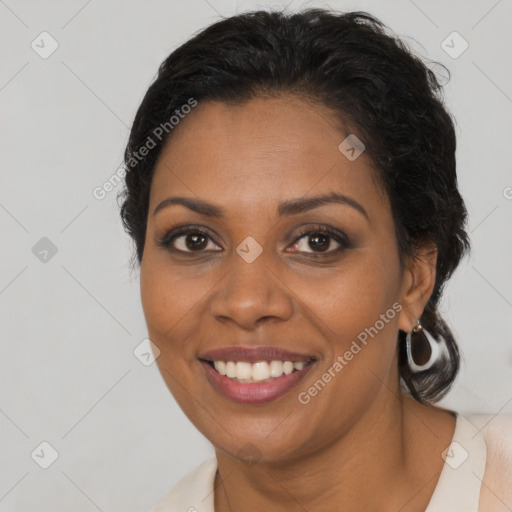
[(193, 493), (497, 433), (496, 490)]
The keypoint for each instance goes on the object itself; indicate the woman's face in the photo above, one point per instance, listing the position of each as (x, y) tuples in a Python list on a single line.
[(305, 293)]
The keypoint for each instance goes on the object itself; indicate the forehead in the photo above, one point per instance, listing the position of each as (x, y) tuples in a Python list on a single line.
[(260, 152)]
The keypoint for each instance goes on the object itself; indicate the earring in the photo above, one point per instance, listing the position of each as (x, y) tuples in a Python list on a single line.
[(437, 349)]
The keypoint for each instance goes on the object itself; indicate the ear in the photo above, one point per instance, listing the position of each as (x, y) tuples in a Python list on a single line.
[(418, 284)]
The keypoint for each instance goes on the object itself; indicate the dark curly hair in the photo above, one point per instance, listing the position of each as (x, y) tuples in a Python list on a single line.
[(351, 63)]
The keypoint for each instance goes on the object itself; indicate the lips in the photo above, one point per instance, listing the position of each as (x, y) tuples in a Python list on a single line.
[(239, 388), (254, 393), (254, 355)]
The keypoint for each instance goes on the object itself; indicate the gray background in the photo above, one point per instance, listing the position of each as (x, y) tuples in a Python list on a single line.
[(69, 324)]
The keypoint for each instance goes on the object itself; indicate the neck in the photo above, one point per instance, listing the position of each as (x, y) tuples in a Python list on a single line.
[(376, 464)]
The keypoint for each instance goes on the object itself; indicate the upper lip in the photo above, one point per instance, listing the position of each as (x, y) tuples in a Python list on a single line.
[(253, 354)]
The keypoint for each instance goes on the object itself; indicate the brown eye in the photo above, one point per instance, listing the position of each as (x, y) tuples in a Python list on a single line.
[(321, 240), (317, 243), (188, 240), (195, 241)]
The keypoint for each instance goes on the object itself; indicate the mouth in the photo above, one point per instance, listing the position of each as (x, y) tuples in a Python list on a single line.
[(260, 371), (255, 382)]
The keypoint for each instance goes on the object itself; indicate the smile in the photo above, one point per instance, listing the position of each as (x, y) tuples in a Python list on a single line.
[(258, 382), (261, 371)]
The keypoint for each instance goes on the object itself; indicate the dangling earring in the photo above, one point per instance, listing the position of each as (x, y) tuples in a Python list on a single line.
[(437, 349)]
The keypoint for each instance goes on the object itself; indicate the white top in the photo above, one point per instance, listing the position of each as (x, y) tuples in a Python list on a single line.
[(481, 449)]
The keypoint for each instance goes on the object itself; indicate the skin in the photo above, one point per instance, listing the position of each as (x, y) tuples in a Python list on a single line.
[(360, 444)]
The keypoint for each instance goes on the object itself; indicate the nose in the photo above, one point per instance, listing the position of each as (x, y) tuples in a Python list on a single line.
[(251, 292)]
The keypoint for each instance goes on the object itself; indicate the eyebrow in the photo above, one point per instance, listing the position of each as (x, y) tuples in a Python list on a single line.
[(286, 208)]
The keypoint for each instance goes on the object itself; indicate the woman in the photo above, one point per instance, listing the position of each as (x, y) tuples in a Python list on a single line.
[(291, 191)]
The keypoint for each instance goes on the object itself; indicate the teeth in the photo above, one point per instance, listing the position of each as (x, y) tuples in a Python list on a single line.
[(220, 366), (276, 368), (230, 370), (260, 371), (243, 371), (287, 367), (257, 372)]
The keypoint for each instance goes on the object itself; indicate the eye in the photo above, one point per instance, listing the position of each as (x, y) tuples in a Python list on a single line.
[(320, 240), (186, 240), (194, 239)]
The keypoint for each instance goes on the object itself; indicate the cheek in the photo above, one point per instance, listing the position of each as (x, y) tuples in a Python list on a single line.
[(167, 293), (357, 311), (353, 296), (160, 302), (172, 306)]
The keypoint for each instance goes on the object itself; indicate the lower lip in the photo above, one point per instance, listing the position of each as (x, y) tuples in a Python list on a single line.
[(253, 392)]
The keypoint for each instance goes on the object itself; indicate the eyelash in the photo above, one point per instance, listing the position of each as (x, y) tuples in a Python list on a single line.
[(336, 235)]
